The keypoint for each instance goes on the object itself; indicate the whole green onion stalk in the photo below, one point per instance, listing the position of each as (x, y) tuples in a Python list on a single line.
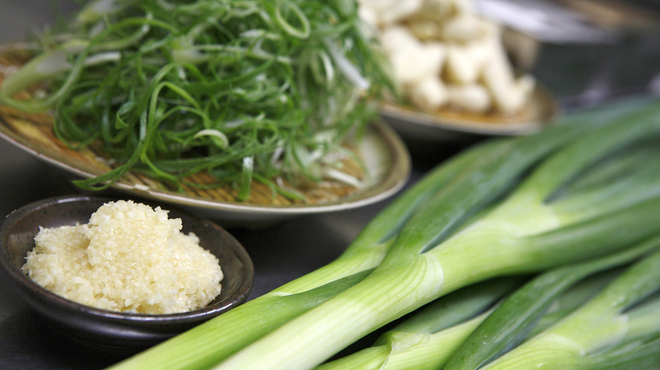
[(501, 208), (219, 338), (249, 90), (466, 329), (533, 228)]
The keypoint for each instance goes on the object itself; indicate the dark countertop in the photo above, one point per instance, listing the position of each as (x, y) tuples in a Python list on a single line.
[(280, 253)]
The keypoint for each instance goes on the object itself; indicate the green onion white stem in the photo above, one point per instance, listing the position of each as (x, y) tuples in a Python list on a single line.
[(438, 332), (430, 335)]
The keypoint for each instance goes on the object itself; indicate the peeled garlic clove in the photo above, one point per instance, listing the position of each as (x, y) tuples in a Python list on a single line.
[(389, 12), (418, 63), (472, 98), (429, 94), (465, 28), (433, 56), (509, 94), (403, 50), (369, 16), (398, 39), (425, 30), (441, 10), (471, 28), (465, 62)]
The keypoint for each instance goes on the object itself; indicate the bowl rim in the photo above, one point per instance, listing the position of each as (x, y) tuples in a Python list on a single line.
[(20, 281)]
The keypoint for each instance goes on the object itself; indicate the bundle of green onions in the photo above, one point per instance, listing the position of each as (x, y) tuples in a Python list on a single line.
[(467, 329), (246, 90), (578, 198)]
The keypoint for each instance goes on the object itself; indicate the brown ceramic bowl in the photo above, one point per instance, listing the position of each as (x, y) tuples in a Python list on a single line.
[(108, 328)]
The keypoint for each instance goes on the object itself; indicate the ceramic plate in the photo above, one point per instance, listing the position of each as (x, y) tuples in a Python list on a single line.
[(387, 167), (447, 125)]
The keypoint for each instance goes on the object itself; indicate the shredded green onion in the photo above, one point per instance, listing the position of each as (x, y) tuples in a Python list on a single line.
[(214, 82)]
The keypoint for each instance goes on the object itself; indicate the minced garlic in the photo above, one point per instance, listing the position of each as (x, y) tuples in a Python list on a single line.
[(129, 257)]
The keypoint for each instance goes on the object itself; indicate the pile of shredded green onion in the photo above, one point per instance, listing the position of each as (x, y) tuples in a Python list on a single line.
[(246, 90)]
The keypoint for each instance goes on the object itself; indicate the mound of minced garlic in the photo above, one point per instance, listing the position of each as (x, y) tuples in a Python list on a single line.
[(130, 258)]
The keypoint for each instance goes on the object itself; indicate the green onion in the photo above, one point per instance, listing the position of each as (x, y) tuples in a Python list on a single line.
[(288, 301), (366, 252), (612, 330), (218, 83), (645, 355), (519, 315), (523, 234), (453, 333), (500, 208), (427, 338)]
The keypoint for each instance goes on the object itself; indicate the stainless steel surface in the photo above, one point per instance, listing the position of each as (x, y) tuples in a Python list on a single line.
[(547, 21)]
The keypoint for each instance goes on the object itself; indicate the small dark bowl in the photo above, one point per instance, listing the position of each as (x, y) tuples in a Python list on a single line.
[(108, 328)]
